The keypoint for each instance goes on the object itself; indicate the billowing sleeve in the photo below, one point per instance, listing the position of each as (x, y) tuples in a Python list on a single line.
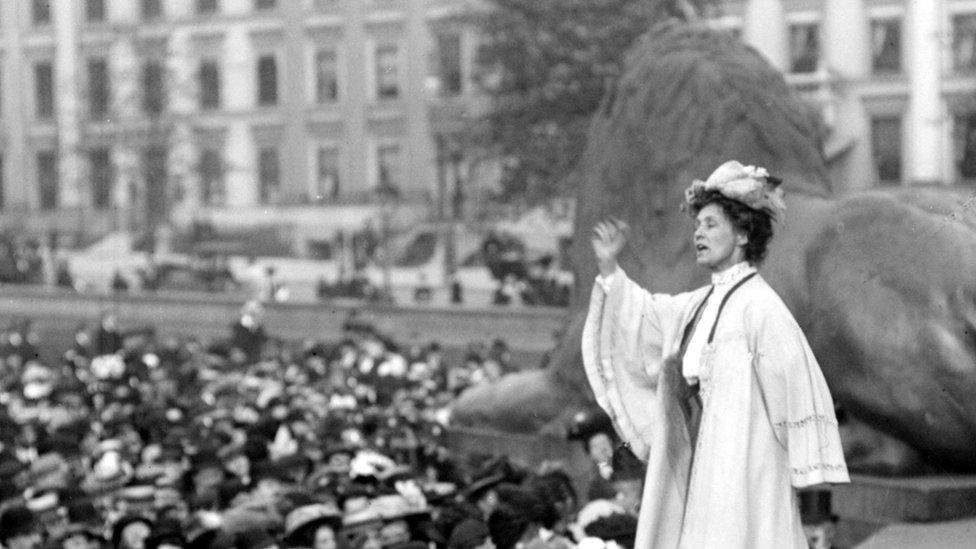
[(627, 329), (796, 396)]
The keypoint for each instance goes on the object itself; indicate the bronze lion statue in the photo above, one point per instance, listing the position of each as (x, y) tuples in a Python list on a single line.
[(883, 282)]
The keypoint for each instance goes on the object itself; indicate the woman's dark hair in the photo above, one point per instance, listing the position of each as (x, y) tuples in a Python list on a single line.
[(507, 526), (757, 225)]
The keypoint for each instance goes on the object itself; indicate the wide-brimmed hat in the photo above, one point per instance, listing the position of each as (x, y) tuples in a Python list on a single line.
[(89, 531), (307, 518), (47, 471), (749, 185), (109, 473), (395, 506)]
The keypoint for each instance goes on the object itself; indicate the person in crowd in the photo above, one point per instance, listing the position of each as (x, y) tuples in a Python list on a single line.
[(119, 283), (19, 528), (594, 431), (248, 332), (728, 405), (457, 289), (470, 534), (131, 532)]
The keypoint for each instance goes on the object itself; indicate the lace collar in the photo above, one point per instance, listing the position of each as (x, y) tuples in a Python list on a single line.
[(733, 274)]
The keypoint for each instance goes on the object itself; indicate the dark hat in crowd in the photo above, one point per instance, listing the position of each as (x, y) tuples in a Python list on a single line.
[(166, 532), (480, 486), (229, 489), (588, 423), (507, 526), (525, 501), (256, 448), (270, 470), (82, 512), (469, 534), (61, 443), (206, 459), (618, 527), (17, 521)]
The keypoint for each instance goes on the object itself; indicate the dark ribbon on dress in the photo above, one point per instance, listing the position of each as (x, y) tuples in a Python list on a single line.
[(689, 398)]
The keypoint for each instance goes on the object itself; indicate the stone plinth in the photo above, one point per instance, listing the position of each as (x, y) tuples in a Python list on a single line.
[(917, 499)]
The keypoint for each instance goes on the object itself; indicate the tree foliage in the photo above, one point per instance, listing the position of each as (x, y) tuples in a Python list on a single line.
[(546, 64)]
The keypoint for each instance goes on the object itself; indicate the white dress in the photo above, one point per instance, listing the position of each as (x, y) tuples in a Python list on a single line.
[(767, 424)]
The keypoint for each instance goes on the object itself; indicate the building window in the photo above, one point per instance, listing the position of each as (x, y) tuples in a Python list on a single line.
[(209, 85), (964, 42), (95, 11), (327, 173), (206, 6), (153, 88), (267, 80), (448, 63), (44, 89), (886, 45), (98, 88), (212, 177), (388, 167), (155, 175), (41, 12), (269, 175), (262, 5), (100, 163), (886, 148), (387, 85), (804, 48), (326, 76), (152, 9), (964, 142), (47, 179)]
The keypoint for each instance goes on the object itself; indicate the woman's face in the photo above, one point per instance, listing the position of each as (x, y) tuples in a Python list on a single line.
[(324, 538), (718, 244), (600, 448), (134, 535)]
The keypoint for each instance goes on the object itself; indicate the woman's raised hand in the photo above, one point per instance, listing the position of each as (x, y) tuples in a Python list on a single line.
[(609, 237)]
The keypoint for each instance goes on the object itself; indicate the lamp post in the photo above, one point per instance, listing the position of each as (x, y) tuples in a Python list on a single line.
[(387, 195)]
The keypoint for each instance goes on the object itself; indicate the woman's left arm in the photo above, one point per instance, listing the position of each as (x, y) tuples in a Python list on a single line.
[(796, 397)]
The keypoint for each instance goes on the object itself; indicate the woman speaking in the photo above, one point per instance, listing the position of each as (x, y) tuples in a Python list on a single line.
[(716, 388)]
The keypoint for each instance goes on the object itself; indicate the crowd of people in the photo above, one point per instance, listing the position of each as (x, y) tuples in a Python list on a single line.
[(521, 281), (131, 440), (33, 261)]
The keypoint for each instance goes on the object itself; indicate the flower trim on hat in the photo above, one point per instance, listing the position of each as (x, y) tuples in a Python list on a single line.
[(750, 185)]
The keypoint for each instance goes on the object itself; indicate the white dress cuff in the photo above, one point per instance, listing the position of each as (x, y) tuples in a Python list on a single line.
[(606, 281)]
